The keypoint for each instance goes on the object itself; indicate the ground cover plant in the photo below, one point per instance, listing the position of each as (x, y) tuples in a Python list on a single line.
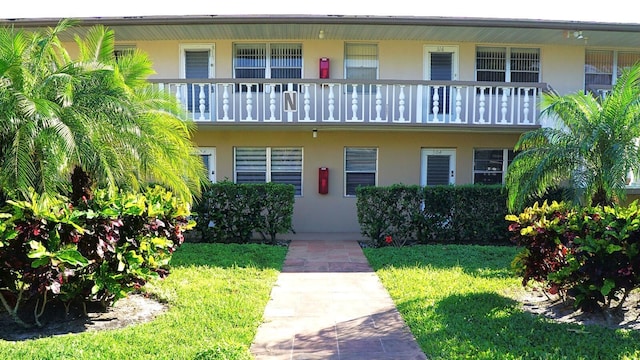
[(462, 302), (215, 295)]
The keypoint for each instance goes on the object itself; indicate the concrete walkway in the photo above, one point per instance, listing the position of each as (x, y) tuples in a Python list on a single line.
[(329, 304)]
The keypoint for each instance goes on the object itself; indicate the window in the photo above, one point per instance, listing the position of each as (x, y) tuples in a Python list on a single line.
[(267, 61), (121, 50), (503, 64), (360, 168), (603, 67), (361, 61), (254, 165), (489, 165)]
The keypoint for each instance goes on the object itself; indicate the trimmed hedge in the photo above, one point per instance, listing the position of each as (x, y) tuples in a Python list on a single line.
[(468, 214), (233, 213)]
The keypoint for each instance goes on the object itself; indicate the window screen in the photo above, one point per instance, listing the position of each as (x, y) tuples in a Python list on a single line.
[(361, 61), (360, 168), (260, 165)]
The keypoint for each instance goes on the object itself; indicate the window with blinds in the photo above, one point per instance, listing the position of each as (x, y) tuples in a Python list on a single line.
[(122, 49), (502, 64), (360, 168), (603, 67), (489, 165), (254, 165), (361, 61), (267, 61)]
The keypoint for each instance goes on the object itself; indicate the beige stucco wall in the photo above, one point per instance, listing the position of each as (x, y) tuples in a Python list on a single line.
[(561, 66), (398, 162)]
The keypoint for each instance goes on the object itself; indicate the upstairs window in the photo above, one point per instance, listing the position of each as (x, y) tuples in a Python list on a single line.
[(490, 165), (254, 165), (503, 64), (267, 61), (603, 67), (361, 61)]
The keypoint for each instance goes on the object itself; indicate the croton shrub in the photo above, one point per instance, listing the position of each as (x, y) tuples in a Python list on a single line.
[(56, 255), (590, 256)]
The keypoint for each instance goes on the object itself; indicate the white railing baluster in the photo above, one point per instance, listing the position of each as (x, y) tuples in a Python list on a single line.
[(249, 103), (401, 107), (458, 104), (503, 105), (201, 106), (481, 109), (331, 106), (525, 110), (225, 102), (354, 103), (378, 102), (272, 102), (436, 103), (307, 102)]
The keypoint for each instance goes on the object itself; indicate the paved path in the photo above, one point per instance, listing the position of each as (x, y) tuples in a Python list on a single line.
[(329, 304)]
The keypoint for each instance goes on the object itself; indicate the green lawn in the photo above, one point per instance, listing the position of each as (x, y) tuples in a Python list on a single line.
[(217, 294), (453, 299)]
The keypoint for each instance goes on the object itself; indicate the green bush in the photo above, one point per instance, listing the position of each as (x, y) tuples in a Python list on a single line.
[(590, 255), (445, 214), (233, 213), (55, 256)]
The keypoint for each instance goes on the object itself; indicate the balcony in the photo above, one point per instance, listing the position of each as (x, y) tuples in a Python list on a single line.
[(315, 102)]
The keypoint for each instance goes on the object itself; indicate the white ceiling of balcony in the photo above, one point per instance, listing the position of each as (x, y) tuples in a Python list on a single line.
[(365, 28)]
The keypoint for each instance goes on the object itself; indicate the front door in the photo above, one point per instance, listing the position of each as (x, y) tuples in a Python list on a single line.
[(208, 155), (438, 167), (440, 64)]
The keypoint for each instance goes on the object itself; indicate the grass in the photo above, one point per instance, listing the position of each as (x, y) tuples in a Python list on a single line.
[(453, 299), (216, 293)]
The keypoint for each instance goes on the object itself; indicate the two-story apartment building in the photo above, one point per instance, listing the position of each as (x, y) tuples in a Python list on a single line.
[(328, 103)]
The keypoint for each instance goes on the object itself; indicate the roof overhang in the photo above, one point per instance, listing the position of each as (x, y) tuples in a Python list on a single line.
[(355, 28)]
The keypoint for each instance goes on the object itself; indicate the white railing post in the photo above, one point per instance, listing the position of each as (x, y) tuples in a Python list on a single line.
[(272, 102)]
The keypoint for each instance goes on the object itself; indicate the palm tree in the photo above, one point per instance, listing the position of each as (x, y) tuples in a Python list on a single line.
[(96, 117), (590, 153)]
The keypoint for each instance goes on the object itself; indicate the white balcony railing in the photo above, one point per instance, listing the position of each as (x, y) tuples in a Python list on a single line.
[(349, 102)]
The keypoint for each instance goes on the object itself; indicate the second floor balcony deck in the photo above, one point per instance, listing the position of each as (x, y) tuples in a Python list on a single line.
[(329, 101)]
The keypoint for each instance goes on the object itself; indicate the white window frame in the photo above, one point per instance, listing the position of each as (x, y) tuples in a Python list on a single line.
[(503, 170), (212, 57), (268, 167), (268, 57), (615, 73), (507, 70), (211, 166), (347, 59), (346, 171)]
